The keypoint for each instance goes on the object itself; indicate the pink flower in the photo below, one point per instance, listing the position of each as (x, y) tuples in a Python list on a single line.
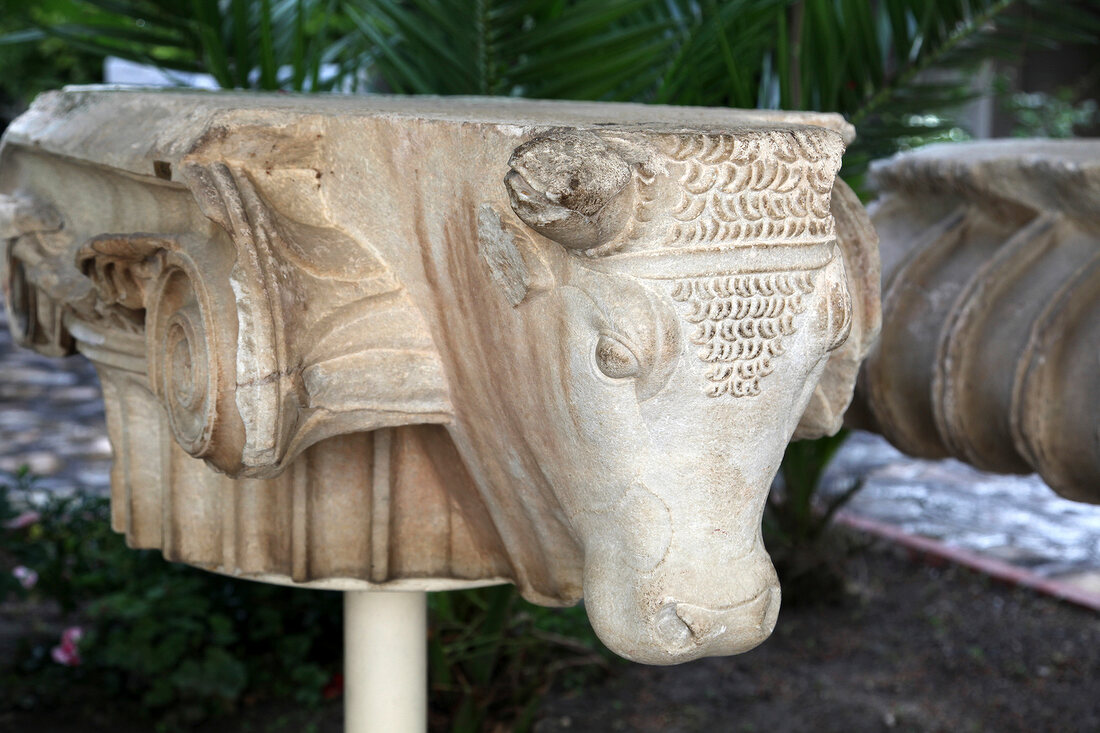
[(26, 577), (23, 521), (334, 688), (67, 652)]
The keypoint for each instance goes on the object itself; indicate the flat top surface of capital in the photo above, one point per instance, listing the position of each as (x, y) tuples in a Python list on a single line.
[(118, 126)]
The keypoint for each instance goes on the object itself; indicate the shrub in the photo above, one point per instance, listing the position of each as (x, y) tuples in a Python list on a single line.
[(493, 655), (182, 645)]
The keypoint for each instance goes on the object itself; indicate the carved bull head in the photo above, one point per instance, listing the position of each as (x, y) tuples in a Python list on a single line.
[(688, 293), (580, 379)]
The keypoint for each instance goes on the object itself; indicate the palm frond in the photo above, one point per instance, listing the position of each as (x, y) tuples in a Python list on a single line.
[(241, 43), (583, 49), (896, 68)]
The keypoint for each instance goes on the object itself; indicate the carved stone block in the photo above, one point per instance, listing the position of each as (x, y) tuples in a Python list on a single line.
[(424, 343), (989, 351)]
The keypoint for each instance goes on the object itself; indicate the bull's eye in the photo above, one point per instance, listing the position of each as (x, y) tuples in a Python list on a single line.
[(614, 358)]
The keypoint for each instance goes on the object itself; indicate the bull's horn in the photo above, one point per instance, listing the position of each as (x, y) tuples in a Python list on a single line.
[(571, 188)]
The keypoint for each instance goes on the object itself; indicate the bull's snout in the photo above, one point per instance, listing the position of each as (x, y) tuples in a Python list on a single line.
[(679, 615), (692, 631)]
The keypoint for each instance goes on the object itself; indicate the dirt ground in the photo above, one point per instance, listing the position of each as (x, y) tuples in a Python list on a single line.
[(915, 647)]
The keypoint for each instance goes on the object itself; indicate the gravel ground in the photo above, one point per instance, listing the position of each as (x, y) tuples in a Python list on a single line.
[(1016, 519), (51, 419)]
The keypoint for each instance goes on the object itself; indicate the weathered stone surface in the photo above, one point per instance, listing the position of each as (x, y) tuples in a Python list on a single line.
[(423, 343), (991, 301)]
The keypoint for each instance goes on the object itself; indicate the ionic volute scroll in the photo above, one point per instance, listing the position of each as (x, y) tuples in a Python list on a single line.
[(174, 289)]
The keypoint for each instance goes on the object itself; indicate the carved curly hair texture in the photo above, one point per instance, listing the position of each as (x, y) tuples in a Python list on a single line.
[(764, 187), (740, 322), (760, 195)]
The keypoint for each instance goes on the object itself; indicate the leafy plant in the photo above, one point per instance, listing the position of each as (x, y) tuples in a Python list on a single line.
[(1050, 115), (183, 643), (31, 62), (492, 655), (796, 523), (584, 49), (249, 44), (896, 68)]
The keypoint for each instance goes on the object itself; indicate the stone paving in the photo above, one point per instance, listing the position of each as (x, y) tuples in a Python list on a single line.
[(51, 420), (1016, 519)]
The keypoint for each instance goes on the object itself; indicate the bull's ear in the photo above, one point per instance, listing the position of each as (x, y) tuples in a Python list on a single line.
[(513, 258), (839, 304), (859, 323)]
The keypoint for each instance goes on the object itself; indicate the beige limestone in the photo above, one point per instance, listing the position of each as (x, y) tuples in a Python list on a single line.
[(990, 350), (395, 343)]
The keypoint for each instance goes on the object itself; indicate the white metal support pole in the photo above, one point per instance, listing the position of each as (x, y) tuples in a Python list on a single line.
[(385, 662)]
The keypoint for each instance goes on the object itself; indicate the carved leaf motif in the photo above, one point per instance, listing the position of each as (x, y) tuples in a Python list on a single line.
[(121, 266), (299, 369)]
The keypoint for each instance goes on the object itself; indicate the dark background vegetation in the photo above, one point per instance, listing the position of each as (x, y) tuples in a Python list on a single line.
[(177, 646), (902, 71)]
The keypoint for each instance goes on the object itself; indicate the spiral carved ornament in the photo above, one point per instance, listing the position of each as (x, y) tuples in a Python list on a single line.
[(190, 348)]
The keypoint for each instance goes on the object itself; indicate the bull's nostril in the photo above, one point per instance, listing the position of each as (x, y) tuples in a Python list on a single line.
[(684, 631), (671, 628)]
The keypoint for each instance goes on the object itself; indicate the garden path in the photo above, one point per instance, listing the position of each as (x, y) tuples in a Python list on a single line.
[(1016, 519), (51, 419)]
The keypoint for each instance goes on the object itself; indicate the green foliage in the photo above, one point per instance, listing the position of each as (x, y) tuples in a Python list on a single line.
[(30, 63), (241, 43), (584, 49), (182, 643), (795, 523), (803, 465), (1050, 115), (897, 69), (492, 655), (68, 547)]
